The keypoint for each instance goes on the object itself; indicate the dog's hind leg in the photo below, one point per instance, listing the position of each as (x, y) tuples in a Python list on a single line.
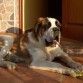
[(6, 46), (8, 64), (7, 42), (14, 58)]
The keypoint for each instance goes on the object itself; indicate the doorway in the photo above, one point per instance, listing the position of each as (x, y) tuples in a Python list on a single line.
[(55, 9), (32, 10)]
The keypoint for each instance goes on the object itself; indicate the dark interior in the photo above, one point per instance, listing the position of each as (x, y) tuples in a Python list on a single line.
[(55, 9)]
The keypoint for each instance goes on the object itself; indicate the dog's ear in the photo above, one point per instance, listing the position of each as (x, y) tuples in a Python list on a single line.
[(38, 27), (40, 20), (38, 24)]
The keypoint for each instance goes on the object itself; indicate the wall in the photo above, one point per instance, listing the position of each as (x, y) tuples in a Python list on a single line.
[(9, 12), (33, 10)]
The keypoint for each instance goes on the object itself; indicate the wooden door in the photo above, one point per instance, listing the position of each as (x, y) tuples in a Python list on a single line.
[(72, 19)]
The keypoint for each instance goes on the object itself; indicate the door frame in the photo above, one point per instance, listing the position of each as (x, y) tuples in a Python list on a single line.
[(21, 14)]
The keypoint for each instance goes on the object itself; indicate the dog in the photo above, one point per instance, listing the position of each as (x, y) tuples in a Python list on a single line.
[(40, 45)]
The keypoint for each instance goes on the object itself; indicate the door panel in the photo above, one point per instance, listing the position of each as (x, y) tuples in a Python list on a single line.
[(72, 19)]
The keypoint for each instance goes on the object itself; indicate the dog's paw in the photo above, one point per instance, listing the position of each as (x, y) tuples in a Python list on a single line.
[(77, 75), (70, 72), (77, 66), (11, 65), (73, 72)]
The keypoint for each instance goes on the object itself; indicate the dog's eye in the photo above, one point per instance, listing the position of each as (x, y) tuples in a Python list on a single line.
[(45, 27), (56, 23), (49, 24)]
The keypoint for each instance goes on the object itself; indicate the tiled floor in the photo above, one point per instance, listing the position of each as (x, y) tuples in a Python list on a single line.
[(25, 75)]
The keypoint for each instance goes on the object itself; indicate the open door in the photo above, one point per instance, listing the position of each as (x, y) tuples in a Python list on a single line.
[(32, 10), (72, 19)]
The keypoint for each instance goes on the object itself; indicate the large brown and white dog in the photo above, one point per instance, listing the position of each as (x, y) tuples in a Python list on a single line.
[(40, 47)]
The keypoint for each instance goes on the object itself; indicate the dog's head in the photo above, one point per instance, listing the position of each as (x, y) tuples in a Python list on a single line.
[(47, 29)]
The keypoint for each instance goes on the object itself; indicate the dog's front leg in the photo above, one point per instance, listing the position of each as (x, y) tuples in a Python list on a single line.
[(14, 58), (52, 66), (73, 64)]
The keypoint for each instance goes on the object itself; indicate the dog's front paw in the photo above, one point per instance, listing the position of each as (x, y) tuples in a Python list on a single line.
[(11, 65), (73, 72), (70, 72), (77, 66)]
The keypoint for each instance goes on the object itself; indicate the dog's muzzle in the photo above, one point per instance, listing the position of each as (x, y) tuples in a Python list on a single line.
[(48, 43), (56, 37)]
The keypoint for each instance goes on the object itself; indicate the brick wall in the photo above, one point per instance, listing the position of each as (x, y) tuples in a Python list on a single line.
[(9, 15)]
